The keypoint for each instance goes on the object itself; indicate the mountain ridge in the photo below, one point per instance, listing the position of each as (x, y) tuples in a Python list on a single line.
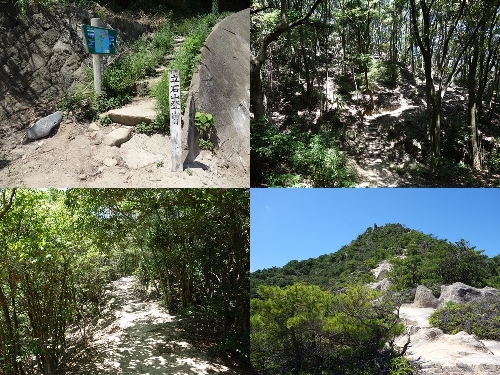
[(412, 252)]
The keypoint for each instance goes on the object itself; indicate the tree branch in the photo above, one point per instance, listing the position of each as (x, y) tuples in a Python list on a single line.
[(9, 205)]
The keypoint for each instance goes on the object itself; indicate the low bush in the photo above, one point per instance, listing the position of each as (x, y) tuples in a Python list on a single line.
[(186, 60), (297, 157), (480, 318), (384, 72)]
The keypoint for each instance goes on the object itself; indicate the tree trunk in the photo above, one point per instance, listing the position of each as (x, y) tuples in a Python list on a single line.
[(256, 90), (472, 107)]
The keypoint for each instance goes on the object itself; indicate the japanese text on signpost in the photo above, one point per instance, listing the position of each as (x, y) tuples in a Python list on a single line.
[(175, 119)]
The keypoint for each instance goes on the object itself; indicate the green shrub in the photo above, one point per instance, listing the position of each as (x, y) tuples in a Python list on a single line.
[(297, 157), (480, 318), (186, 60), (492, 160), (105, 120)]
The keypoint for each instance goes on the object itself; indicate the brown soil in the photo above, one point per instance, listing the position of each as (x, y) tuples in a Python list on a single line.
[(73, 156)]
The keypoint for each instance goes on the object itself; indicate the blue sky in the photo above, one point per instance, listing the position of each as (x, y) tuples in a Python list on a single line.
[(287, 224)]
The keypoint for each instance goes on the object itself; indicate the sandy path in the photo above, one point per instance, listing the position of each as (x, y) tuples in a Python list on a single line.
[(141, 337), (375, 169)]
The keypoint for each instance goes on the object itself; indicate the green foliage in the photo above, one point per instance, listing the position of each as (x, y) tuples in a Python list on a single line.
[(384, 72), (446, 170), (301, 329), (186, 60), (59, 250), (119, 78), (203, 121), (158, 125), (314, 159), (492, 160), (105, 120), (351, 263), (480, 318), (435, 262), (428, 261), (86, 106), (206, 144)]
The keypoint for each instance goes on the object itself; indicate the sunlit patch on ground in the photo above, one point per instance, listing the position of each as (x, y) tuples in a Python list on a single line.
[(141, 337)]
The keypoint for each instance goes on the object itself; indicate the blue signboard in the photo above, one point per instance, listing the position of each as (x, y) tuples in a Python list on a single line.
[(99, 40)]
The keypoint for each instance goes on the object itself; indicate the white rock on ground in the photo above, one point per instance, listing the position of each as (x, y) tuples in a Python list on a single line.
[(439, 353), (117, 136), (142, 150), (135, 113)]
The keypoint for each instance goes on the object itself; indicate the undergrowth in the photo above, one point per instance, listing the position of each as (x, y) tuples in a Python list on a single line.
[(297, 158), (187, 59), (480, 318)]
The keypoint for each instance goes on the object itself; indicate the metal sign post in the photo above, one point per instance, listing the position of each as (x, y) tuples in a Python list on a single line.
[(98, 41), (175, 119)]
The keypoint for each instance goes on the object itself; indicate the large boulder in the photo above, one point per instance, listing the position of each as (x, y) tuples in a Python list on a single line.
[(42, 127), (425, 298), (221, 87), (461, 293)]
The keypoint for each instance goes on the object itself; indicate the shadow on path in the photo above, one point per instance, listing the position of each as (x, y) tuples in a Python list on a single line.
[(141, 337)]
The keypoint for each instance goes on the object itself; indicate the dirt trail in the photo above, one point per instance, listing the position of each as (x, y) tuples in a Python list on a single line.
[(375, 170), (141, 337), (75, 157)]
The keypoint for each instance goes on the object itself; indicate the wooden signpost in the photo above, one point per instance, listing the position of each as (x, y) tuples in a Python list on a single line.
[(98, 41), (175, 119)]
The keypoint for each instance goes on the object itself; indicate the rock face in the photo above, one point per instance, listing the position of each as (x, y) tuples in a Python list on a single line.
[(383, 284), (222, 87), (461, 293), (42, 56), (42, 127), (425, 298), (381, 270)]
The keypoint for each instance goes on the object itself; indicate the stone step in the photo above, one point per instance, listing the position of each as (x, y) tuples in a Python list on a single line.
[(161, 69), (179, 40), (134, 113), (144, 86), (168, 58)]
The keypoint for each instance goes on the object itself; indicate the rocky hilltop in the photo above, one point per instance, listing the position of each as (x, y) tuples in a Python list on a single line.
[(434, 351)]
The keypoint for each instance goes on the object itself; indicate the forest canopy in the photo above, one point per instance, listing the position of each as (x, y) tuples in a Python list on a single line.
[(60, 248), (324, 68)]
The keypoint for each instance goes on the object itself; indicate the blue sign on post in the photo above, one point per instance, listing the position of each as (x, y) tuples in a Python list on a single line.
[(99, 41)]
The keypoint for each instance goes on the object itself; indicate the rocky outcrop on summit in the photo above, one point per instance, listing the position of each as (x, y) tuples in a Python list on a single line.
[(381, 270)]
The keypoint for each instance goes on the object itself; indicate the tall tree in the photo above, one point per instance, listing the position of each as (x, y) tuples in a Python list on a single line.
[(261, 55), (435, 25)]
